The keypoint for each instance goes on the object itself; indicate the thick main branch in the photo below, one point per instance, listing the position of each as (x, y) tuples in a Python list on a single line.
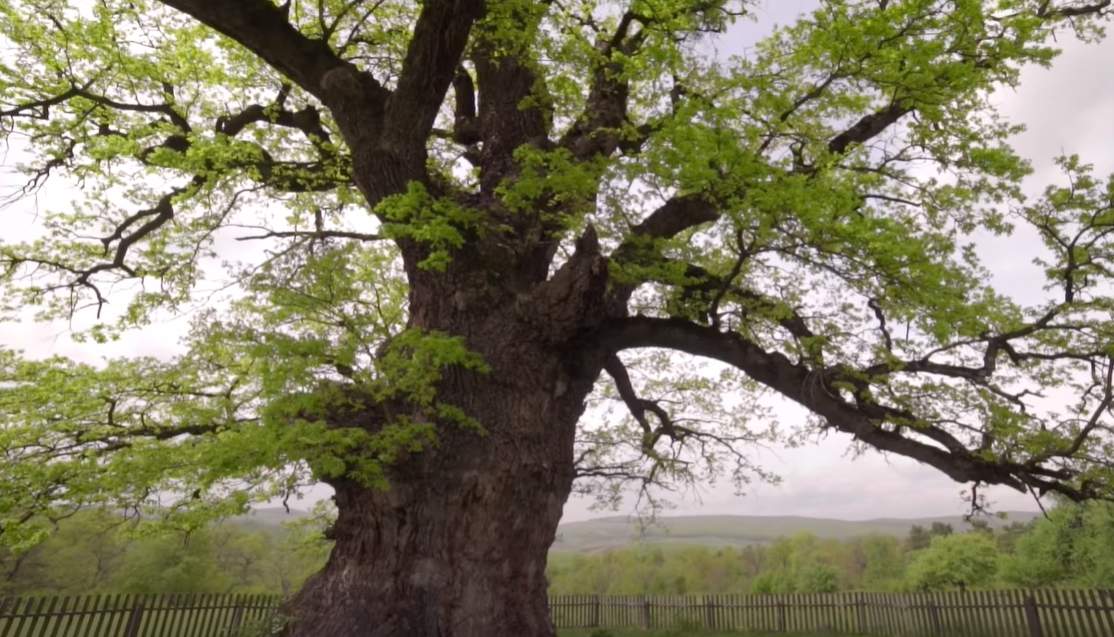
[(818, 391)]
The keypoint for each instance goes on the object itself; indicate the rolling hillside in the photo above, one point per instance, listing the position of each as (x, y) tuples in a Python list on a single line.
[(709, 530), (737, 530)]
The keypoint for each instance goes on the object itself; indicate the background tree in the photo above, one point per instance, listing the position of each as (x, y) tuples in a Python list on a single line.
[(963, 561), (879, 562), (1008, 536), (442, 276), (800, 564), (920, 537), (95, 551), (81, 556), (1070, 547)]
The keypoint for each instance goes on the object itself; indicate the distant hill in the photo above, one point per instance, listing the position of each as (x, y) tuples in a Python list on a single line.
[(739, 530), (273, 515), (606, 533), (269, 519)]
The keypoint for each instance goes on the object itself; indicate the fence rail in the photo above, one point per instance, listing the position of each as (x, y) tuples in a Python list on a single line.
[(1012, 613), (1038, 613), (165, 615)]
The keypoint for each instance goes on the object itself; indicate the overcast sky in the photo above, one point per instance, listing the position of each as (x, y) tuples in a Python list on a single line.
[(1068, 109)]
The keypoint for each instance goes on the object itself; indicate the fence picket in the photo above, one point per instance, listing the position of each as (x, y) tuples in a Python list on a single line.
[(1086, 619), (802, 611), (813, 612), (879, 612), (225, 613), (1075, 628), (97, 619), (1104, 602), (975, 612), (1056, 607), (185, 615), (122, 614), (1015, 613), (1002, 602), (29, 614), (44, 615), (963, 612), (231, 603), (9, 608), (87, 623), (1079, 611), (58, 619), (914, 608), (252, 609), (1017, 603), (106, 614), (1070, 616), (1048, 622), (1083, 613), (882, 626), (1006, 615), (886, 604), (1059, 612), (165, 615), (981, 613), (212, 608), (979, 618), (77, 612), (863, 614), (741, 613), (196, 624), (1000, 613), (1063, 617), (267, 608), (1012, 620), (1103, 611), (1064, 603)]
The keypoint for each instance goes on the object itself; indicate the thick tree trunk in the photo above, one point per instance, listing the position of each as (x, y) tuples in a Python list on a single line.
[(463, 559), (456, 547)]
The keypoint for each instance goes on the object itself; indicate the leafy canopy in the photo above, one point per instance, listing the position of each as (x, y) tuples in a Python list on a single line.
[(801, 211)]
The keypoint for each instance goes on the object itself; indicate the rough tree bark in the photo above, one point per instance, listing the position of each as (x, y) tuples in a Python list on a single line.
[(457, 545)]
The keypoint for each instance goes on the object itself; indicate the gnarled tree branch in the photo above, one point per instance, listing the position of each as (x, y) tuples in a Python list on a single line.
[(816, 390)]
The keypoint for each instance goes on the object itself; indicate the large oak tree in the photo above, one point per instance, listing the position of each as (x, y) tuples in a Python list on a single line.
[(470, 219)]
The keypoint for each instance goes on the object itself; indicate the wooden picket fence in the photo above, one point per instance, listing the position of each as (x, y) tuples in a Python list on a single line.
[(1038, 613), (1012, 613), (165, 615)]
